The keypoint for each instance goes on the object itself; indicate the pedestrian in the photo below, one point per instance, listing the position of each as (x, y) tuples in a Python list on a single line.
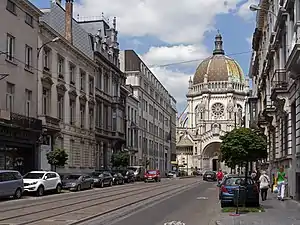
[(264, 184), (220, 176), (281, 177)]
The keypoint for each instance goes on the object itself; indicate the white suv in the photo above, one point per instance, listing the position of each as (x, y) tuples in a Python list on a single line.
[(41, 181)]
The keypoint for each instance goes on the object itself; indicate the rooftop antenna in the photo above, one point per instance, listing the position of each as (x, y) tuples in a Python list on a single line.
[(115, 23), (78, 17)]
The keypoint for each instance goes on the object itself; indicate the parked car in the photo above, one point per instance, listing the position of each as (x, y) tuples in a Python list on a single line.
[(102, 178), (172, 174), (40, 181), (117, 178), (11, 184), (138, 172), (129, 176), (77, 182), (152, 175), (210, 176), (232, 182)]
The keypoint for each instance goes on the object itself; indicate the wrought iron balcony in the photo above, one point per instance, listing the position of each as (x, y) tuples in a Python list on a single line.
[(279, 83), (24, 121)]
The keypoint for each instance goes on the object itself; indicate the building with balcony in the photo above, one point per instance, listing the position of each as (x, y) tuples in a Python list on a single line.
[(19, 129), (215, 105), (154, 118), (275, 102), (66, 87)]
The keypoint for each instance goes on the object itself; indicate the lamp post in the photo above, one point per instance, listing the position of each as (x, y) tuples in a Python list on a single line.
[(48, 42), (255, 8)]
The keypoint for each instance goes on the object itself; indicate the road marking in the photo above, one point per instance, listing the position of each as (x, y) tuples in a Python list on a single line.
[(174, 223), (202, 198)]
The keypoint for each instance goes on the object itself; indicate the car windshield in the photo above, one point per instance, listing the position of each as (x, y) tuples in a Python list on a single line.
[(72, 177), (235, 181), (153, 172), (34, 176), (209, 172), (97, 174)]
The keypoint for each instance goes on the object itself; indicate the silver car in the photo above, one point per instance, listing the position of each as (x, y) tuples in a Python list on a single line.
[(11, 184), (77, 182)]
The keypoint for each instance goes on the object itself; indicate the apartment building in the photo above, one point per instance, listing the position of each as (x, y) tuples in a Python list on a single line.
[(132, 106), (275, 102), (66, 87), (19, 129), (154, 118)]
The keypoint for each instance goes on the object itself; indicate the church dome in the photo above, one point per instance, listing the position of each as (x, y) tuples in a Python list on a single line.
[(219, 67)]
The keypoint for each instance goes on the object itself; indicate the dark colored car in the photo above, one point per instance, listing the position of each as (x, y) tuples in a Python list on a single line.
[(129, 176), (152, 175), (210, 176), (77, 182), (117, 178), (232, 182), (102, 178)]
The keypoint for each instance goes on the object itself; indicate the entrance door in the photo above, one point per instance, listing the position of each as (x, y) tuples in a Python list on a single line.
[(215, 164)]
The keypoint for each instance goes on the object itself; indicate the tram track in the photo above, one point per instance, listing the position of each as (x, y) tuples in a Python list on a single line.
[(52, 210)]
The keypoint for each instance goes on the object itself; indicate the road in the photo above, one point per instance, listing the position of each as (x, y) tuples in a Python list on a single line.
[(189, 200)]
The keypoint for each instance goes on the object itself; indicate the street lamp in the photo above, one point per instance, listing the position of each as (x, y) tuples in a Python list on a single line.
[(255, 8), (40, 48)]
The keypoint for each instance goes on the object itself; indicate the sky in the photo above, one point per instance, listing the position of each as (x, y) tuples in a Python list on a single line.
[(165, 32)]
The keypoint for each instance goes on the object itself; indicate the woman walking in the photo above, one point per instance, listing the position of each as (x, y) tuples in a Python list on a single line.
[(264, 183)]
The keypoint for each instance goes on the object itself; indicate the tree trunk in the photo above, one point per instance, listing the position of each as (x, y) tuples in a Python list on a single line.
[(246, 178)]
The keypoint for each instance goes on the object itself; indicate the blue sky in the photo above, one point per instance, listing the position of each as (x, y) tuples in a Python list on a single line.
[(176, 31)]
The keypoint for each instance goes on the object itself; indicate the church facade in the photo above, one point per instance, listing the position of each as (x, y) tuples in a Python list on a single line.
[(215, 105)]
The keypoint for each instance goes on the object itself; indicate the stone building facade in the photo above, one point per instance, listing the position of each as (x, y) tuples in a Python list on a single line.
[(276, 98), (215, 105), (20, 131), (154, 118)]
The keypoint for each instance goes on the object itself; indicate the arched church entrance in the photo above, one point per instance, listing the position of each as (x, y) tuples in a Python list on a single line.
[(210, 156)]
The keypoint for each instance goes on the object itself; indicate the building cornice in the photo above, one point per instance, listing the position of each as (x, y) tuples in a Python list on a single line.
[(50, 31), (31, 8)]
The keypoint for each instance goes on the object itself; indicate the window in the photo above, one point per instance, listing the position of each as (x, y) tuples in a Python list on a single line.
[(72, 111), (91, 118), (99, 79), (98, 114), (28, 95), (11, 6), (82, 80), (82, 116), (46, 59), (29, 19), (60, 107), (10, 92), (114, 120), (28, 57), (61, 68), (10, 50), (72, 74), (46, 101), (91, 85)]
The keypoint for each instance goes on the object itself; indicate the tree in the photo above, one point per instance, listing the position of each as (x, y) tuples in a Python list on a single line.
[(57, 157), (243, 145), (120, 159)]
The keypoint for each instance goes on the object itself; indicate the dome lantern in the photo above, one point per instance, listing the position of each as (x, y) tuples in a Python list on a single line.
[(218, 45)]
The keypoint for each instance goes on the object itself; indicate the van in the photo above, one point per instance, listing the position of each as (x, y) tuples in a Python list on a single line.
[(11, 184)]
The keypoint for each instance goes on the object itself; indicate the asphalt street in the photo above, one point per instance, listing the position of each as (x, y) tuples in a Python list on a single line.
[(196, 206)]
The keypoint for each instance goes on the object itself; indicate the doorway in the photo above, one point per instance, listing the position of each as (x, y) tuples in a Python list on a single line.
[(215, 164)]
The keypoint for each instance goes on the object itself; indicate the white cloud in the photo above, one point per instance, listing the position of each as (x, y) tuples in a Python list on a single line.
[(172, 21), (244, 10), (249, 40), (175, 54)]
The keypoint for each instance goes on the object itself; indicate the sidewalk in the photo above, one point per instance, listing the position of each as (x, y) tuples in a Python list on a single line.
[(276, 213)]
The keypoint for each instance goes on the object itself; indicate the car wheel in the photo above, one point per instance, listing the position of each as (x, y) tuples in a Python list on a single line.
[(78, 188), (223, 204), (18, 194), (40, 191), (58, 189), (102, 184), (110, 183), (123, 181), (91, 186)]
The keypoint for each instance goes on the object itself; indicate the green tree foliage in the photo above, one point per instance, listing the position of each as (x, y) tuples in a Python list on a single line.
[(120, 159), (243, 145), (57, 157)]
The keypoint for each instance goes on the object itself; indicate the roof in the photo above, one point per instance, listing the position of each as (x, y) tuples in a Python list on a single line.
[(185, 141), (218, 67)]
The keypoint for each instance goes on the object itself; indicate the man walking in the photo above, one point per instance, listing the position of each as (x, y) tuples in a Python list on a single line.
[(220, 176), (264, 183), (281, 183)]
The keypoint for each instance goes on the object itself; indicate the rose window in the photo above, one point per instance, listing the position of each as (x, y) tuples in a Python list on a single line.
[(218, 110)]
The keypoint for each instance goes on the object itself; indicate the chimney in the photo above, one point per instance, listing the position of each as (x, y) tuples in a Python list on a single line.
[(68, 20)]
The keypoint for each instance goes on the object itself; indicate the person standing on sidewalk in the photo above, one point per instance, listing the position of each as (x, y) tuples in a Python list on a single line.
[(281, 183), (264, 183), (220, 176)]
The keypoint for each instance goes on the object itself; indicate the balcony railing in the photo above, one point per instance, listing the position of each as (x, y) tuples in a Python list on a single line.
[(24, 121), (279, 79)]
